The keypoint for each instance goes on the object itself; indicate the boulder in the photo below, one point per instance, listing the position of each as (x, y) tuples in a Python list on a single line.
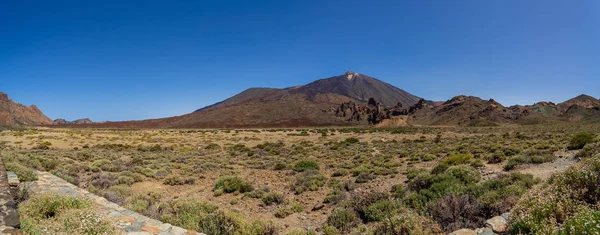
[(486, 231), (318, 206), (497, 224), (464, 232)]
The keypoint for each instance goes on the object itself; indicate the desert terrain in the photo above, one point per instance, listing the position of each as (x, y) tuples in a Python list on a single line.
[(332, 180)]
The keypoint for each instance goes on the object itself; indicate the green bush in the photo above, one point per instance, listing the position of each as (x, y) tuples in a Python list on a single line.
[(342, 219), (272, 198), (457, 159), (189, 213), (308, 181), (231, 184), (285, 212), (383, 211), (173, 180), (306, 165), (579, 140)]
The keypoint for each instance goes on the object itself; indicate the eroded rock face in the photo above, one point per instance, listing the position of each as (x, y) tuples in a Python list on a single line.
[(14, 114), (372, 113)]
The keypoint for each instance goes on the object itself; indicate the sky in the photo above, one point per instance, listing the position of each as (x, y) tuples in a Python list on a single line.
[(128, 60)]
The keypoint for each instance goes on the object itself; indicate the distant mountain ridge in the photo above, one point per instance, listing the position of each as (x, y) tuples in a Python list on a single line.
[(61, 121), (473, 111), (344, 100), (15, 114)]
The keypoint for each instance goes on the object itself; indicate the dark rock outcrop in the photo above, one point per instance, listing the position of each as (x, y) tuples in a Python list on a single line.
[(372, 113), (61, 121)]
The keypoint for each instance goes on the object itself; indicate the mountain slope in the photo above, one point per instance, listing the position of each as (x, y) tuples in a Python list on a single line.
[(307, 105), (15, 114), (350, 86)]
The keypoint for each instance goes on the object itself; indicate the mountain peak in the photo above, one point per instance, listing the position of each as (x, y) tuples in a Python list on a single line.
[(582, 100), (350, 75)]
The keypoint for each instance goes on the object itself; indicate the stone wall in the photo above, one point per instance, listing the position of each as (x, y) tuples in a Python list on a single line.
[(127, 221)]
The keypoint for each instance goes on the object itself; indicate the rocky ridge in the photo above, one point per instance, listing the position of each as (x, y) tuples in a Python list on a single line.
[(15, 114)]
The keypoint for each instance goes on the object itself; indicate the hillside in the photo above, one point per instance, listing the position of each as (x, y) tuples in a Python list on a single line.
[(306, 105), (15, 114)]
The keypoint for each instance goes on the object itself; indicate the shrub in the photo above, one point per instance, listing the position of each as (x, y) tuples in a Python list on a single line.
[(466, 174), (233, 184), (279, 166), (125, 180), (102, 181), (398, 191), (331, 230), (189, 213), (383, 211), (339, 173), (285, 212), (272, 198), (352, 140), (308, 181), (57, 214), (173, 180), (457, 159), (220, 222), (455, 212), (364, 177), (579, 140), (139, 203), (306, 165), (342, 219)]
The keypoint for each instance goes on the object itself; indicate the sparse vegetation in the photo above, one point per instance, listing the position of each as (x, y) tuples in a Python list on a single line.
[(55, 214), (420, 182)]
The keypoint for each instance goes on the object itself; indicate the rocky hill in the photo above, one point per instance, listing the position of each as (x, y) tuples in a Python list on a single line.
[(15, 114), (473, 111)]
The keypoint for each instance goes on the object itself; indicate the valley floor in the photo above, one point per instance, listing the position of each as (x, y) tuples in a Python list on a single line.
[(342, 180)]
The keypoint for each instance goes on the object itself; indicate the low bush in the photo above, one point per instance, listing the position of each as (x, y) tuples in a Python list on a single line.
[(287, 211), (57, 214), (308, 181), (579, 140), (173, 180), (458, 159), (231, 184), (272, 198), (305, 165)]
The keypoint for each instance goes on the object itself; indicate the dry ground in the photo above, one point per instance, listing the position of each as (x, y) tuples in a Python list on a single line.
[(386, 157)]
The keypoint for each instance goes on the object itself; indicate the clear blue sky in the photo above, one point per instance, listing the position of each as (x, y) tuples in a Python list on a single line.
[(123, 60)]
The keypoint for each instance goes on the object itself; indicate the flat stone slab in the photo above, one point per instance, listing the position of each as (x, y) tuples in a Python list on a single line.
[(13, 179), (9, 216), (127, 221)]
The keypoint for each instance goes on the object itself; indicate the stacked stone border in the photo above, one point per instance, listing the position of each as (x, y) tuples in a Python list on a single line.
[(129, 222)]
